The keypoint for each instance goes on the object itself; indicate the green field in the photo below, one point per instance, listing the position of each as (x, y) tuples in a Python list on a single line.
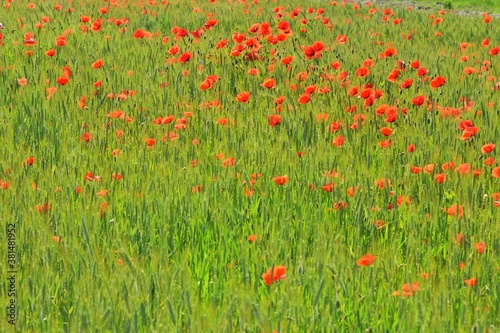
[(248, 166), (472, 6)]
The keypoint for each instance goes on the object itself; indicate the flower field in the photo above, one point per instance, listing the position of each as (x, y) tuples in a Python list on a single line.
[(248, 166)]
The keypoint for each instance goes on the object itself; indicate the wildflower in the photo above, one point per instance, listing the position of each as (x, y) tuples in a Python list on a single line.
[(98, 64), (274, 274), (487, 148), (243, 97), (496, 172), (438, 82), (480, 247), (439, 178), (274, 120), (268, 83), (471, 282), (366, 260), (338, 141), (280, 180)]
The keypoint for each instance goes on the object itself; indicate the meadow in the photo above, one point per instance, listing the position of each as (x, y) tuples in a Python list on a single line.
[(471, 6), (239, 166)]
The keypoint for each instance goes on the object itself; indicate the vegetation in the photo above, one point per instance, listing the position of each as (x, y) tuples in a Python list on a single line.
[(468, 5), (233, 166)]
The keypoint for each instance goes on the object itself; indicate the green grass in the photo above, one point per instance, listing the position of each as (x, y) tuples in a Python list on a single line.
[(166, 248), (469, 5)]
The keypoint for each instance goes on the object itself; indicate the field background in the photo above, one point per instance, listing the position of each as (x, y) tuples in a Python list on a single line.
[(471, 6), (149, 196)]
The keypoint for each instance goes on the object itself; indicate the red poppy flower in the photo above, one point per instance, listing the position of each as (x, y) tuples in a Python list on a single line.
[(489, 161), (494, 51), (448, 165), (185, 57), (223, 121), (464, 168), (179, 32), (338, 141), (62, 80), (385, 143), (304, 98), (465, 124), (455, 210), (322, 117), (174, 49), (96, 25), (274, 274), (116, 176), (439, 178), (496, 172), (386, 131), (116, 114), (341, 39), (280, 100), (29, 39), (29, 161), (480, 247), (101, 193), (393, 75), (268, 83), (429, 168), (408, 289), (243, 97), (43, 208), (438, 82), (471, 282), (415, 169), (166, 120), (253, 71), (210, 23), (469, 132), (328, 187), (150, 142), (353, 91), (406, 84), (336, 65), (61, 41), (89, 176), (309, 52), (280, 180), (390, 51), (254, 28), (22, 82), (98, 64), (139, 33), (366, 260), (86, 137), (418, 100), (468, 70), (487, 148), (208, 82), (287, 60), (422, 71), (274, 120), (362, 72), (50, 53), (310, 89), (228, 162)]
